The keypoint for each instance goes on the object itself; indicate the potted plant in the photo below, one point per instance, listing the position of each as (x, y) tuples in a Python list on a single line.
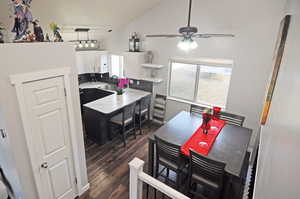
[(122, 84)]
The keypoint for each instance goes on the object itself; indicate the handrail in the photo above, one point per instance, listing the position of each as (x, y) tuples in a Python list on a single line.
[(137, 177)]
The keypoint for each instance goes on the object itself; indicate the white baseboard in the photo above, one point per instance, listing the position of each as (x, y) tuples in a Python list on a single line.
[(84, 189)]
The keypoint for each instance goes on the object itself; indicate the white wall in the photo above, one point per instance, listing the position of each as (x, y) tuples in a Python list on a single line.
[(279, 158), (255, 24), (7, 162), (21, 58)]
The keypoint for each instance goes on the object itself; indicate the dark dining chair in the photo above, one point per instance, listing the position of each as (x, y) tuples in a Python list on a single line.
[(207, 173), (198, 110), (143, 111), (232, 118), (228, 117), (169, 156), (126, 121)]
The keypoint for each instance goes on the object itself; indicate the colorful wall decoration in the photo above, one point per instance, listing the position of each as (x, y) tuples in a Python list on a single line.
[(278, 54)]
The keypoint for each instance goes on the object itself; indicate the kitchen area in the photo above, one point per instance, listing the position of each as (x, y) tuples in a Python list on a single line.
[(108, 84)]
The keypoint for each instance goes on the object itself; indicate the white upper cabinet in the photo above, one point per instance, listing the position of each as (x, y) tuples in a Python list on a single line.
[(92, 62), (133, 64)]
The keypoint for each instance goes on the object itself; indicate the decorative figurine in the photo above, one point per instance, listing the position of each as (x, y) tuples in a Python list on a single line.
[(30, 37), (149, 57), (1, 34), (47, 38), (38, 31), (57, 36), (22, 17)]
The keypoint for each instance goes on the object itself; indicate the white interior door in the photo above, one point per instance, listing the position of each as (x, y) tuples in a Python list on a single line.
[(50, 136)]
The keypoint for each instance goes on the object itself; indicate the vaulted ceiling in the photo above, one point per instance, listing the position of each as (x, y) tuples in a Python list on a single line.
[(96, 13)]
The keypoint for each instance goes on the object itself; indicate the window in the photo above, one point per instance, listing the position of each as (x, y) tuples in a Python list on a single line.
[(200, 82), (116, 65)]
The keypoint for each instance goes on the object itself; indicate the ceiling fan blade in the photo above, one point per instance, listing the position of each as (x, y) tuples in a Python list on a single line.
[(212, 35), (166, 36)]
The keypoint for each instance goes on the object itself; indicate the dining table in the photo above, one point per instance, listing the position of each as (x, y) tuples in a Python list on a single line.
[(229, 147)]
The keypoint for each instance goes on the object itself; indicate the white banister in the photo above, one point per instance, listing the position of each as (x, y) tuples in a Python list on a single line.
[(137, 177), (135, 185)]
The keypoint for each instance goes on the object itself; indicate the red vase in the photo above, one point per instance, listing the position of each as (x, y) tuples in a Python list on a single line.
[(206, 117), (216, 113)]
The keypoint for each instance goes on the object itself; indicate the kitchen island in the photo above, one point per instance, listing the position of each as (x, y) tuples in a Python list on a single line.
[(98, 113)]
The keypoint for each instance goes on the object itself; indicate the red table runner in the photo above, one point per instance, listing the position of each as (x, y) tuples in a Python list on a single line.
[(198, 137)]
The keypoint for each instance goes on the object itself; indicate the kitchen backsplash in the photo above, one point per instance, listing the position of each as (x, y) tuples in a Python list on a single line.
[(90, 77), (104, 77)]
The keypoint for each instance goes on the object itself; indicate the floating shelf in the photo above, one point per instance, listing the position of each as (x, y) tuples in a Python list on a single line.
[(154, 80), (153, 66)]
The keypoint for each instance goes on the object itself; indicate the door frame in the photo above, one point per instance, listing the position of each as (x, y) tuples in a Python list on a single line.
[(18, 81)]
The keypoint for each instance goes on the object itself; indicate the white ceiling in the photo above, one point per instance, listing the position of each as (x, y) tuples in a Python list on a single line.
[(96, 13)]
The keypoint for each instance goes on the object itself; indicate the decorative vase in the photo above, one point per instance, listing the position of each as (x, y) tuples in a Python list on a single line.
[(206, 117), (216, 113)]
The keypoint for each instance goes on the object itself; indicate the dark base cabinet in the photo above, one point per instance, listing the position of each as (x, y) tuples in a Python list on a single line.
[(92, 94), (96, 126)]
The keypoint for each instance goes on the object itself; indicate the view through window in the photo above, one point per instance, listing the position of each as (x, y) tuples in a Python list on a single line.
[(199, 83), (117, 65)]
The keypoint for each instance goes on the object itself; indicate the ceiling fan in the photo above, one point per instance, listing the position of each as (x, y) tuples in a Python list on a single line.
[(188, 34)]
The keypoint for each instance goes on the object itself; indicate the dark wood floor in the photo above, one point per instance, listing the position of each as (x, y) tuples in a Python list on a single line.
[(107, 165)]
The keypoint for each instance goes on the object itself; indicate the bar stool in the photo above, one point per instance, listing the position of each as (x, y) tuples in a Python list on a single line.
[(126, 121)]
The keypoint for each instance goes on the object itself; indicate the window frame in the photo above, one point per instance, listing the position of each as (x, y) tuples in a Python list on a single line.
[(224, 63)]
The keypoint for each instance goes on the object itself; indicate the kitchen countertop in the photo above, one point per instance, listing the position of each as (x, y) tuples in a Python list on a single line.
[(92, 85), (115, 102)]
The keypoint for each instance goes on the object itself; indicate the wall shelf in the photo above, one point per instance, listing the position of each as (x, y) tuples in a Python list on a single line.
[(152, 66)]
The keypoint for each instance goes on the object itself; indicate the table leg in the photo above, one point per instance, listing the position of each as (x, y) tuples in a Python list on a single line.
[(227, 188), (151, 157)]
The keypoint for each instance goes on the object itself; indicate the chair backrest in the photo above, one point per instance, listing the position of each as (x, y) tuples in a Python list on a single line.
[(168, 151), (232, 118), (129, 111), (198, 110), (145, 102), (208, 169), (229, 117)]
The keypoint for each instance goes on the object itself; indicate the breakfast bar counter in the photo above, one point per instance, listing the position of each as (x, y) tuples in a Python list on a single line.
[(97, 114)]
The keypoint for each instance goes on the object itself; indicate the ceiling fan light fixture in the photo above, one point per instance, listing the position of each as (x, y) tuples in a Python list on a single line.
[(187, 44)]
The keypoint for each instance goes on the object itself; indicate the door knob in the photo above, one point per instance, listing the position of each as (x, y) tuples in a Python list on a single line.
[(44, 165)]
